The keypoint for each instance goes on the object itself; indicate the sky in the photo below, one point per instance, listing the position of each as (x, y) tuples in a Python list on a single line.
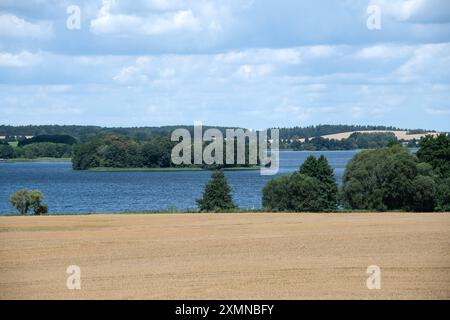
[(247, 63)]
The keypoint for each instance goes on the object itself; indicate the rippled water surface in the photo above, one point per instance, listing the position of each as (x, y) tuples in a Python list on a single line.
[(69, 191)]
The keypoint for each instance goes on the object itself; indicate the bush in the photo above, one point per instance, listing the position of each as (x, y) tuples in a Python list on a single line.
[(7, 152), (217, 195), (24, 200), (312, 188)]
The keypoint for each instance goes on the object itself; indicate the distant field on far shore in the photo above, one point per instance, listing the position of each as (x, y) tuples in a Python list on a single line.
[(226, 256)]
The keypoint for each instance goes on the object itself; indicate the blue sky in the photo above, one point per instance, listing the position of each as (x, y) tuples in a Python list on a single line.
[(249, 63)]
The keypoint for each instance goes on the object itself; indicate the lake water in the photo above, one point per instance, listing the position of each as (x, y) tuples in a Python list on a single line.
[(69, 191)]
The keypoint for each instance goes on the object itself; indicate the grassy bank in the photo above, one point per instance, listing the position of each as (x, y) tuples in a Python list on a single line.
[(44, 159)]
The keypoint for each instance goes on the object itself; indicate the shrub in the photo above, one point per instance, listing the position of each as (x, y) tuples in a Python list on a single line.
[(24, 200), (6, 151)]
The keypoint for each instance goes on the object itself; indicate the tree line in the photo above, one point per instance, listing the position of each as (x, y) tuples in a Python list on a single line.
[(53, 146), (84, 133), (388, 178), (124, 152)]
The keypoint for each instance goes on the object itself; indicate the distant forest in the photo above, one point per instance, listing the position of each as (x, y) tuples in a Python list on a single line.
[(83, 133), (61, 141)]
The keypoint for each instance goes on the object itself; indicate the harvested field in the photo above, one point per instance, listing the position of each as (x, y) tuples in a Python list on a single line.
[(226, 256), (401, 135)]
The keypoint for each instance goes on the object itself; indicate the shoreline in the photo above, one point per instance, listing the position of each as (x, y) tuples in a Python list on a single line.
[(230, 213), (174, 169)]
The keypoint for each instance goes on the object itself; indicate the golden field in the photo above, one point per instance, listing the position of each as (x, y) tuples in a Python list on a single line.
[(226, 256)]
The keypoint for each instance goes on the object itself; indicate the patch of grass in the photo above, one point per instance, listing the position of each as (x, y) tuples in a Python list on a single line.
[(13, 143)]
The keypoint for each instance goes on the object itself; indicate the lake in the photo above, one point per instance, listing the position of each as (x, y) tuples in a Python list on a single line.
[(69, 191)]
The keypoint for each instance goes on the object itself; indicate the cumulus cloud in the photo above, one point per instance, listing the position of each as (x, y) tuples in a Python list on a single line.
[(136, 73), (416, 11), (156, 17), (107, 23), (13, 26), (21, 59), (384, 52), (427, 61)]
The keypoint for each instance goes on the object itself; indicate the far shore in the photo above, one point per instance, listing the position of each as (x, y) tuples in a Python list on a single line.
[(108, 169), (43, 159), (116, 169)]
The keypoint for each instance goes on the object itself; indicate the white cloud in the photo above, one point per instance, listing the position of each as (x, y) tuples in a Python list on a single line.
[(427, 61), (320, 51), (254, 71), (155, 17), (13, 26), (182, 20), (384, 52), (136, 73), (21, 59), (438, 111), (416, 11), (260, 56)]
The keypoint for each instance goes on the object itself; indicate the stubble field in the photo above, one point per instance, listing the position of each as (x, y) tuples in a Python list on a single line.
[(226, 256)]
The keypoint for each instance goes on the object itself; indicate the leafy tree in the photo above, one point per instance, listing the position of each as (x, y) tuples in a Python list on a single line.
[(306, 194), (157, 153), (390, 179), (424, 197), (443, 195), (24, 200), (322, 171), (217, 195), (436, 151), (276, 196), (380, 179), (7, 152), (45, 149), (312, 188)]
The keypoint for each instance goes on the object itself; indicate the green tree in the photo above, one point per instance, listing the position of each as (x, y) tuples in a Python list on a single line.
[(436, 151), (312, 188), (217, 195), (388, 179), (276, 194), (306, 194), (322, 171), (24, 200), (7, 152), (380, 179), (424, 198), (443, 195)]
